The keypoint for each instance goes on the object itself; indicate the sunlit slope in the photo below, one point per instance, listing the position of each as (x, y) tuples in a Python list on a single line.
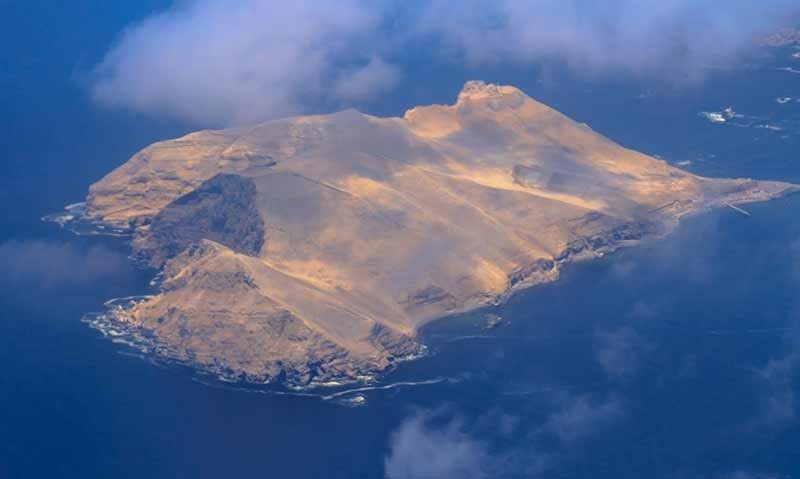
[(314, 247)]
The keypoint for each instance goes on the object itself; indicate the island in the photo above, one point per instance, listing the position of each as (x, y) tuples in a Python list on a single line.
[(783, 37), (312, 249)]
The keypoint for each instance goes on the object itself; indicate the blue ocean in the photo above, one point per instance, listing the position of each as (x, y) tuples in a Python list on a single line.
[(676, 359)]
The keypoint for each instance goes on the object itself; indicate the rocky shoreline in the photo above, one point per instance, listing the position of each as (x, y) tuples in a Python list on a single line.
[(116, 322)]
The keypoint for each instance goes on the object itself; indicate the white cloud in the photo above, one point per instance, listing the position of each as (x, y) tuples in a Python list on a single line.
[(620, 351), (38, 265), (421, 450), (241, 61), (220, 63), (439, 444), (778, 402), (625, 35), (776, 381), (363, 82), (580, 417)]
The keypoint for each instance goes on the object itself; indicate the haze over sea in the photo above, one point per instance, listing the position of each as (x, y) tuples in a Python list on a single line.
[(677, 359)]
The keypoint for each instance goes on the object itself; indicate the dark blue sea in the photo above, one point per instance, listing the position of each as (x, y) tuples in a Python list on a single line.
[(676, 359)]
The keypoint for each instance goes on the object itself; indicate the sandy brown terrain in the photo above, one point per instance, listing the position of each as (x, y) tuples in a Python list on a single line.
[(313, 248)]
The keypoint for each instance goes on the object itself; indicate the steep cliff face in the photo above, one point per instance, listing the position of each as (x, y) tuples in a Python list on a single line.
[(222, 209), (313, 248)]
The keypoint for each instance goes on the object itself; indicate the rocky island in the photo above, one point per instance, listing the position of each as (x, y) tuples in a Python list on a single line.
[(786, 36), (313, 248)]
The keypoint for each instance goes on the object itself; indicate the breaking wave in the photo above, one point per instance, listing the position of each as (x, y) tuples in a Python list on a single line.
[(74, 219)]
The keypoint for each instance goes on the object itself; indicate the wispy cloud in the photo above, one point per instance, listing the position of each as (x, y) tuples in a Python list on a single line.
[(620, 351), (420, 449), (581, 417), (675, 37), (221, 63), (750, 475), (775, 385), (245, 60), (776, 381), (442, 444), (49, 265)]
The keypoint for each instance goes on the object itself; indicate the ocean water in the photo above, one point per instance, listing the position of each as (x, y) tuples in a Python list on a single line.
[(676, 359)]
